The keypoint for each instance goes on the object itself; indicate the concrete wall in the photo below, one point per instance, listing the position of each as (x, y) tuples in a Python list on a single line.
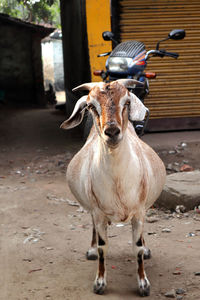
[(52, 57), (16, 70), (21, 78), (48, 65), (58, 65)]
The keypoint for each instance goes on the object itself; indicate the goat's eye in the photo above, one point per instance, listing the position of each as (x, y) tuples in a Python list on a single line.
[(91, 106), (127, 103), (93, 109)]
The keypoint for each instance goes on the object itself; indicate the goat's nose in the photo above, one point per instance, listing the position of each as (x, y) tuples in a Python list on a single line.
[(112, 132)]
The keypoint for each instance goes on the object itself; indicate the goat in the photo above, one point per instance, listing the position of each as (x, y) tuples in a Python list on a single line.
[(115, 175)]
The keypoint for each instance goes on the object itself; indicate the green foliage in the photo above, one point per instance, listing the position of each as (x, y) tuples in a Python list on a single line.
[(9, 7), (37, 11)]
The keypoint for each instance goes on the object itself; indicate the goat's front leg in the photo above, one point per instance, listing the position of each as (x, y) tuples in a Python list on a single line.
[(102, 242), (92, 253), (139, 251)]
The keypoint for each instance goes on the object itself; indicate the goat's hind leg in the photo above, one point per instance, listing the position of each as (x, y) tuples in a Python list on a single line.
[(92, 253), (139, 250)]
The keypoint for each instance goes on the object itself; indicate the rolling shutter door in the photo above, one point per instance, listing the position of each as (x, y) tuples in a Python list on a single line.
[(175, 92)]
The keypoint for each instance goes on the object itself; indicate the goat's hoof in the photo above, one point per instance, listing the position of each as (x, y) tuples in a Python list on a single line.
[(144, 287), (99, 286), (91, 254), (147, 253)]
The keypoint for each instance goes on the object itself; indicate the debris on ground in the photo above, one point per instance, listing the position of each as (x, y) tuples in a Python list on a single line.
[(33, 235), (71, 202), (197, 209), (151, 233), (197, 273), (183, 144), (35, 270), (152, 219), (27, 259), (68, 201), (172, 167), (120, 225), (172, 151), (186, 168), (151, 212), (80, 209), (167, 230), (171, 294), (177, 272), (191, 234), (180, 209), (180, 291)]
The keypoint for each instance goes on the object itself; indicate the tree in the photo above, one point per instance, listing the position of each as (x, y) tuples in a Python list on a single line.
[(37, 11)]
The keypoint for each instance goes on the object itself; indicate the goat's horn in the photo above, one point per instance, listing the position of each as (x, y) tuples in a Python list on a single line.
[(87, 86), (129, 82)]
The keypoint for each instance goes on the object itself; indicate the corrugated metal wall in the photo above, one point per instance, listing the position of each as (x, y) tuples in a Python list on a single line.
[(176, 90)]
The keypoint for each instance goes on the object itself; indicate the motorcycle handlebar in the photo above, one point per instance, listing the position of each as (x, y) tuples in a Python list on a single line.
[(170, 54), (161, 53), (104, 54)]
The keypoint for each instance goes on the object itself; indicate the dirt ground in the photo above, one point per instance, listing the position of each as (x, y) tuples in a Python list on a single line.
[(44, 237)]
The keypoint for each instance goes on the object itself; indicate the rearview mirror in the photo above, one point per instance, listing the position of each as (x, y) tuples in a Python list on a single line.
[(177, 34), (107, 36)]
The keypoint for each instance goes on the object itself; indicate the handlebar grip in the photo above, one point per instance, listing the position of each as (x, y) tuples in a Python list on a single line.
[(171, 54), (104, 54)]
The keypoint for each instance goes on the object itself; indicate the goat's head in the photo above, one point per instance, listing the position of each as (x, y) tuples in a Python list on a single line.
[(111, 105)]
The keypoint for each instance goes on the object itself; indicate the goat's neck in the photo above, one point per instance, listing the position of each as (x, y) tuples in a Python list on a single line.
[(114, 157)]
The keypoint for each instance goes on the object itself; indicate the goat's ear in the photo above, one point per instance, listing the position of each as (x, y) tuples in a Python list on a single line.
[(137, 109), (77, 115)]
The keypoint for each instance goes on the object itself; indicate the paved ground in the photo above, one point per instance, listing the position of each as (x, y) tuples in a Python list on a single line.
[(171, 139), (44, 238)]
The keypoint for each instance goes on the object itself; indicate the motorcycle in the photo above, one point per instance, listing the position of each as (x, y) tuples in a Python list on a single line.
[(129, 60)]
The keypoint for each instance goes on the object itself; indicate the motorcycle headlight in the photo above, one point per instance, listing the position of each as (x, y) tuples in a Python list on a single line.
[(118, 64)]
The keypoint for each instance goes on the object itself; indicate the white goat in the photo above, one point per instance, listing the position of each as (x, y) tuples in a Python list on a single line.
[(115, 175)]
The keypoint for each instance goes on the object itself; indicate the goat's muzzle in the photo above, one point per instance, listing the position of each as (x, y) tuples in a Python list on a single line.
[(112, 135)]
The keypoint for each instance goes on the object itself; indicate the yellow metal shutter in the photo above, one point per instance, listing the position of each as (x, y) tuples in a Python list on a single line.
[(176, 90)]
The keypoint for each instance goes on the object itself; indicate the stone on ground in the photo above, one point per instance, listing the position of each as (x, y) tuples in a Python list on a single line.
[(181, 188)]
